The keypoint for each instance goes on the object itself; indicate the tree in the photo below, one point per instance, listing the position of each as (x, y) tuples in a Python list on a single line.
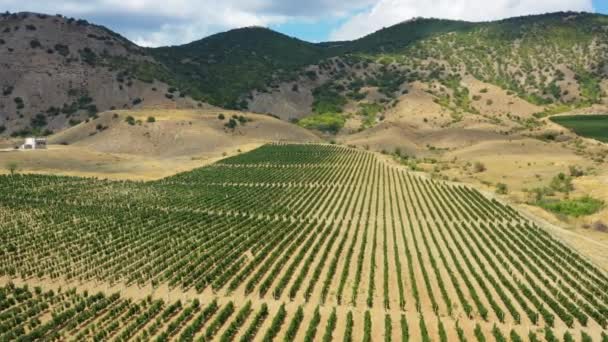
[(231, 124), (12, 167)]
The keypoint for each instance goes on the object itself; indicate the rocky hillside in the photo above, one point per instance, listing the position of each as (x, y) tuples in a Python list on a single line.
[(555, 61), (57, 71)]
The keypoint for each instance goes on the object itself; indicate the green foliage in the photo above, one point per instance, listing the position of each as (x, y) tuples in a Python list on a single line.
[(577, 207), (38, 121), (275, 325), (367, 327), (589, 85), (231, 124), (130, 120), (561, 183), (88, 56), (223, 67), (327, 122), (501, 189), (327, 100), (151, 119), (369, 111), (63, 50), (19, 102)]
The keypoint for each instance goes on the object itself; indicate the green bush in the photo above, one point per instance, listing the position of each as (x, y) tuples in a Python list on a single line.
[(130, 120), (327, 122), (577, 207), (501, 188), (231, 124), (561, 183)]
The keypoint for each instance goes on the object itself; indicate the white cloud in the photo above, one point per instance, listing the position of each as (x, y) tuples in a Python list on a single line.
[(389, 12), (162, 22)]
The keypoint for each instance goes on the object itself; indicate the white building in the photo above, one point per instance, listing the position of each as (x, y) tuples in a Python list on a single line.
[(34, 143)]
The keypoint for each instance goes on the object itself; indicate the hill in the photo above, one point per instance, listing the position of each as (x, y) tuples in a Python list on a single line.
[(152, 143), (554, 61), (57, 71)]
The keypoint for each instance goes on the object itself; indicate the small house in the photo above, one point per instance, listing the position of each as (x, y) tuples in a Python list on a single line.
[(33, 143)]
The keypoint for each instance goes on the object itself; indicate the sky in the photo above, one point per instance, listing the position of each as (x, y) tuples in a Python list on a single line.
[(172, 22)]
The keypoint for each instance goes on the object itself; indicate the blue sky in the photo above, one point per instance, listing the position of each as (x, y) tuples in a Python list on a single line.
[(601, 6), (162, 22)]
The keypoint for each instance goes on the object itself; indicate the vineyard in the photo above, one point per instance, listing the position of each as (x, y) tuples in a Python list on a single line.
[(287, 242)]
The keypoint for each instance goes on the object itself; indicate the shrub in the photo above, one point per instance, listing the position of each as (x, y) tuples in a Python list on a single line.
[(479, 167), (63, 50), (12, 167), (88, 56), (561, 183), (39, 120), (2, 129), (137, 101), (574, 207), (221, 116), (600, 226), (151, 119), (327, 122), (130, 120), (34, 44), (73, 122), (231, 124), (575, 171), (501, 188), (6, 91), (19, 102)]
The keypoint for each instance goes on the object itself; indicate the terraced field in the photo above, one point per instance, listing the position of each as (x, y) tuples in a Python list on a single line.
[(287, 242)]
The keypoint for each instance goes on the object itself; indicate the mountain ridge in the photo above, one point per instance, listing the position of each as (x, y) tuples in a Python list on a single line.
[(265, 71)]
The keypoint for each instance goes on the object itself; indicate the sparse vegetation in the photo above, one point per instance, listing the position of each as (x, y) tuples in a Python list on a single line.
[(12, 167), (479, 167), (501, 189)]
